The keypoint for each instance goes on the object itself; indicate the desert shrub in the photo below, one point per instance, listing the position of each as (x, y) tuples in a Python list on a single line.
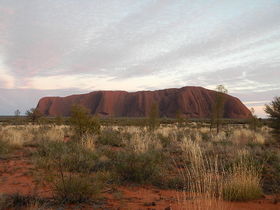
[(33, 115), (138, 167), (218, 107), (273, 110), (67, 170), (111, 137), (72, 156), (4, 147), (75, 188), (243, 183), (18, 201), (271, 170), (254, 122), (82, 122)]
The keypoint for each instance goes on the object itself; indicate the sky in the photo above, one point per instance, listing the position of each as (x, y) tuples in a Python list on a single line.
[(64, 47)]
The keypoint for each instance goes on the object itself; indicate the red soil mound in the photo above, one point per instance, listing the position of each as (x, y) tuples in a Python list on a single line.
[(192, 102)]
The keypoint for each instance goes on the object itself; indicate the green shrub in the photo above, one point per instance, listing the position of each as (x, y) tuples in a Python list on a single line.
[(273, 110), (4, 147), (18, 201), (75, 188), (82, 122), (33, 115), (110, 137), (68, 168), (139, 168), (71, 155)]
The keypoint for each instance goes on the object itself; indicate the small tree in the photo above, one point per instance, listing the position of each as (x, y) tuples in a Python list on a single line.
[(254, 121), (273, 110), (82, 122), (153, 122), (33, 115), (17, 117), (17, 113), (218, 107)]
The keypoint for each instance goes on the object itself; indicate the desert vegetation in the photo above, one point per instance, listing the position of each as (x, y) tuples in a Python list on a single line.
[(273, 110), (79, 163)]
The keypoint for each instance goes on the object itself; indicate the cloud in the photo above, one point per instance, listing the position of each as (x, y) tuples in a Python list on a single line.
[(127, 40), (6, 81), (89, 82)]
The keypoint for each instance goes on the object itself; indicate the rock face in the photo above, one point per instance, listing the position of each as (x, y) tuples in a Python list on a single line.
[(192, 102)]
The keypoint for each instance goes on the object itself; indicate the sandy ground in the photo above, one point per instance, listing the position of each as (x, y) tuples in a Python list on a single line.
[(17, 176)]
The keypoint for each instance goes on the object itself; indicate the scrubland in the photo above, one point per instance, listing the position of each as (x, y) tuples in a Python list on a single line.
[(205, 169)]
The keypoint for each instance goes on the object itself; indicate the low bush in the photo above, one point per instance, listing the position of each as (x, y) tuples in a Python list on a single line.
[(138, 167), (71, 155), (110, 137), (18, 201), (82, 122), (67, 169), (4, 147), (75, 188)]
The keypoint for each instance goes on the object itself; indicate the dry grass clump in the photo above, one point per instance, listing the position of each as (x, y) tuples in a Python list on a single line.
[(245, 136), (88, 141), (243, 183), (208, 182), (19, 136), (51, 133), (203, 180), (16, 136), (167, 130), (143, 142), (220, 137)]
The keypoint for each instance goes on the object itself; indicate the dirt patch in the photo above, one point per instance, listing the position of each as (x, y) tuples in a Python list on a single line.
[(153, 198), (17, 176)]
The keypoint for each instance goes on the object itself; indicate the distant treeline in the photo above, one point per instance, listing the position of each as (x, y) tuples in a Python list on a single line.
[(21, 120)]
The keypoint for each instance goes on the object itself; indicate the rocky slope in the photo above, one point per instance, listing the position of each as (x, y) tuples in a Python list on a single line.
[(193, 102)]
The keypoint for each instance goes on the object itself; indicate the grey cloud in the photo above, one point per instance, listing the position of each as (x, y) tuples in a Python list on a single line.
[(47, 38)]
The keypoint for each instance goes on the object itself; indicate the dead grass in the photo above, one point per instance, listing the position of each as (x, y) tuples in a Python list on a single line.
[(245, 136), (242, 183)]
